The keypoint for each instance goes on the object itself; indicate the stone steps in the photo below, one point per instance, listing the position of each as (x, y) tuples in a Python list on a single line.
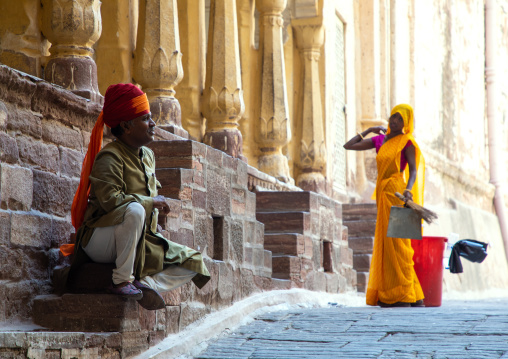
[(283, 202), (286, 267), (173, 181), (361, 222), (361, 228), (361, 244), (287, 243), (284, 222)]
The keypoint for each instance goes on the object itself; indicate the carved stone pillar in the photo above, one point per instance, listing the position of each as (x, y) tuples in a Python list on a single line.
[(158, 61), (72, 27), (191, 20), (114, 48), (312, 159), (222, 100), (273, 130), (246, 24), (22, 46)]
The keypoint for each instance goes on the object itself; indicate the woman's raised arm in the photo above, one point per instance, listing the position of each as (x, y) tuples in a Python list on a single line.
[(359, 143)]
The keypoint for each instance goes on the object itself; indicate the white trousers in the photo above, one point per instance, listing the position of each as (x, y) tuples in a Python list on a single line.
[(117, 244)]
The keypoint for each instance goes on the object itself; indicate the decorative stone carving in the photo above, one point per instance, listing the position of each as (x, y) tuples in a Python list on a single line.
[(222, 100), (312, 159), (158, 61), (72, 27), (191, 19), (22, 46), (273, 130)]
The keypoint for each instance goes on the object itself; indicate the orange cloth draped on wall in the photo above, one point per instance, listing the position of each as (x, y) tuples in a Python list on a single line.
[(122, 102), (392, 277)]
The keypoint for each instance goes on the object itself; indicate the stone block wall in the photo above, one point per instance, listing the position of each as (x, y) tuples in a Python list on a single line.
[(44, 133), (43, 138)]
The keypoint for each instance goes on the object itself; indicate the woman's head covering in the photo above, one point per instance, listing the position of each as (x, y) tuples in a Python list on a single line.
[(406, 111), (122, 102)]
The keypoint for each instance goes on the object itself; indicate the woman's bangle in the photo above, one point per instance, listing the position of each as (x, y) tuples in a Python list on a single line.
[(360, 134)]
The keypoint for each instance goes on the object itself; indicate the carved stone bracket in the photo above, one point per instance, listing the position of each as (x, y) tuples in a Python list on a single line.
[(158, 61), (222, 101), (274, 130), (72, 27), (312, 159)]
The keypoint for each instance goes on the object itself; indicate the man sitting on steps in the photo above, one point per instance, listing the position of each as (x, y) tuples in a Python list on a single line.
[(116, 207)]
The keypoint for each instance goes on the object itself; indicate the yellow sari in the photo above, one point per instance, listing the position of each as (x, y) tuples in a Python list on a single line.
[(392, 277)]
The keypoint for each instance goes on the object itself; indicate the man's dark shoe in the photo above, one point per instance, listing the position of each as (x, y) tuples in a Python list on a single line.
[(125, 290), (151, 300)]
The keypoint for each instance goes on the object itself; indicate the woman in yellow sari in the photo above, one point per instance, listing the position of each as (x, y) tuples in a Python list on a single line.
[(400, 165)]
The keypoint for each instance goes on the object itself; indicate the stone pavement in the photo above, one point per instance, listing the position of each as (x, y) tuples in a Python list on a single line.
[(457, 329)]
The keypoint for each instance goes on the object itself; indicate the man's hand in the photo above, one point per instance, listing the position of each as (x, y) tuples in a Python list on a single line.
[(159, 202)]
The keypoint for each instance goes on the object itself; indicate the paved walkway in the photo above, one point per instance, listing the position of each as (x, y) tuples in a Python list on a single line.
[(457, 329)]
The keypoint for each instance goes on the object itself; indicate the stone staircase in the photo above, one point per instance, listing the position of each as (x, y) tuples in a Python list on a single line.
[(361, 222), (304, 232)]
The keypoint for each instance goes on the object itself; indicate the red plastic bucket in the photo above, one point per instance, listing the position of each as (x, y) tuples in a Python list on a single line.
[(428, 259)]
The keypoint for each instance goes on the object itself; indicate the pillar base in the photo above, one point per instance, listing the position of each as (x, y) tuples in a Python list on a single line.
[(227, 140), (167, 114), (76, 74), (276, 165), (312, 181)]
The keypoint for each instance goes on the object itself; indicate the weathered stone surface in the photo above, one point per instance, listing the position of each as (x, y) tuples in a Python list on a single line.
[(70, 162), (172, 319), (283, 202), (203, 233), (38, 153), (59, 134), (31, 229), (226, 284), (16, 87), (60, 230), (16, 187), (359, 211), (59, 104), (86, 312), (52, 194), (283, 267), (5, 227), (361, 262), (4, 116), (284, 222), (192, 311), (362, 228), (218, 189), (236, 241), (8, 149), (361, 244), (24, 121), (290, 244)]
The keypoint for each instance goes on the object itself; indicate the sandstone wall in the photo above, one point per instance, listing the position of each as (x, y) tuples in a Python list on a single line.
[(43, 133)]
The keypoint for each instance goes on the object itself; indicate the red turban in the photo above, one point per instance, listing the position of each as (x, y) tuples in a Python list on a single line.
[(122, 102)]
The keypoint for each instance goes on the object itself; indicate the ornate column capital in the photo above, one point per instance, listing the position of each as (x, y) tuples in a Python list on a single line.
[(309, 35), (72, 27)]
